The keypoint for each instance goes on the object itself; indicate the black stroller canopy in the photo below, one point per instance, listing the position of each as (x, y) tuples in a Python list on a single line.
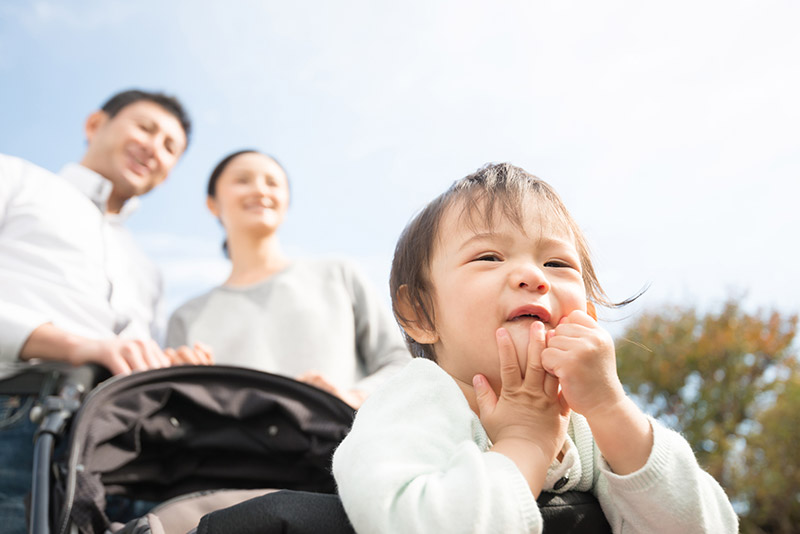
[(168, 432)]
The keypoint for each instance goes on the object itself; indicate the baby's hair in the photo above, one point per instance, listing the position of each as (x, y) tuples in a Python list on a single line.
[(493, 187)]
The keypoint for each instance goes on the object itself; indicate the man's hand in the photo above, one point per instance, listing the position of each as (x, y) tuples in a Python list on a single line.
[(353, 397), (528, 422), (119, 356)]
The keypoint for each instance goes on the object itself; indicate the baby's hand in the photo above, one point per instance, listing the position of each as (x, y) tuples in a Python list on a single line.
[(581, 354), (528, 422)]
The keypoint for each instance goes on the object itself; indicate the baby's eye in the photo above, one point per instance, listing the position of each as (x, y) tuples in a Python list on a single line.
[(487, 257), (558, 264)]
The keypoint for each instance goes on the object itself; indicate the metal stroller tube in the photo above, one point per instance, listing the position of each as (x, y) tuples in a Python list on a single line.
[(53, 415)]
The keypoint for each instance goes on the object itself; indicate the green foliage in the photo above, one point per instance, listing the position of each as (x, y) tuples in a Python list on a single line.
[(729, 382), (769, 474)]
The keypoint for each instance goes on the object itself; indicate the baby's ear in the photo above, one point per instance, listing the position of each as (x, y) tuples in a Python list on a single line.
[(590, 310), (413, 320)]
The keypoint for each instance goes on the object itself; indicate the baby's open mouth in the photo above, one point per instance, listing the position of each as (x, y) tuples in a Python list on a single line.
[(537, 313)]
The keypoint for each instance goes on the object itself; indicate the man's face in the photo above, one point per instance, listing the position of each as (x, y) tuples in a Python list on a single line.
[(485, 278), (135, 149)]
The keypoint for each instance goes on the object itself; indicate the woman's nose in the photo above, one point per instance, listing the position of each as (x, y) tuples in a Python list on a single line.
[(530, 277), (261, 186)]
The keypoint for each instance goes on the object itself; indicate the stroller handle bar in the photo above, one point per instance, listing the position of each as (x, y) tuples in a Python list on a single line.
[(52, 415)]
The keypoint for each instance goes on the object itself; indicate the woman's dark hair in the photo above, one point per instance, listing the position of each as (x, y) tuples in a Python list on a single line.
[(211, 189)]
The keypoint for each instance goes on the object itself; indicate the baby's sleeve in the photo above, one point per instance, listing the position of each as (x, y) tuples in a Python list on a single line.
[(411, 463), (670, 493)]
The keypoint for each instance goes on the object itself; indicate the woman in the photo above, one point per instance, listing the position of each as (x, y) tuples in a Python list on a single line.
[(316, 320)]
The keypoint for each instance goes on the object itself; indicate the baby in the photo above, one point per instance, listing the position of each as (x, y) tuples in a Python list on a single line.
[(514, 390)]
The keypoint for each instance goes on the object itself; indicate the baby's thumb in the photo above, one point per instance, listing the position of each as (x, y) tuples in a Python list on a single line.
[(484, 395)]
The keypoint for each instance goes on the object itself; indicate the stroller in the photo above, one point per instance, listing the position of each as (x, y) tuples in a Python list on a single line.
[(166, 450), (175, 437)]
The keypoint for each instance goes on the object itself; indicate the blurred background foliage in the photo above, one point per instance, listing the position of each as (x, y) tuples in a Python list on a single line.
[(729, 381)]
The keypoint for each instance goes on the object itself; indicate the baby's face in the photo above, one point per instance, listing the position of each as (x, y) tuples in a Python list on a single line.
[(485, 278)]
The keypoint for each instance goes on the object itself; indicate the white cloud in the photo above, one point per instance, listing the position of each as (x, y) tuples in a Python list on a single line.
[(44, 15)]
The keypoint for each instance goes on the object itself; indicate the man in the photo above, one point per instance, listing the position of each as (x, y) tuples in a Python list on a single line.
[(74, 288)]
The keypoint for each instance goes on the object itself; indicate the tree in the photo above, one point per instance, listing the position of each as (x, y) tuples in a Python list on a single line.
[(769, 475), (720, 378)]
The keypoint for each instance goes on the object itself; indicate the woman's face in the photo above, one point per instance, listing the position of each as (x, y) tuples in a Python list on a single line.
[(252, 195)]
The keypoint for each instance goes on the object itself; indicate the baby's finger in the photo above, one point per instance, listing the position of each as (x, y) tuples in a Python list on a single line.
[(509, 364), (550, 385), (484, 395), (565, 409), (535, 374), (581, 318)]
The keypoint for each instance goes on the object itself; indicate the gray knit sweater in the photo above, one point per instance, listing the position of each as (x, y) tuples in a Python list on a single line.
[(314, 315)]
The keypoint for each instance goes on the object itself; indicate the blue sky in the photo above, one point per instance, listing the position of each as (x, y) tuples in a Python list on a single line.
[(670, 129)]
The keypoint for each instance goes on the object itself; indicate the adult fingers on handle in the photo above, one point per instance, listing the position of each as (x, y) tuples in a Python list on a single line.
[(184, 355), (316, 379), (105, 352), (172, 355), (154, 356), (189, 356), (205, 352), (115, 363), (133, 353)]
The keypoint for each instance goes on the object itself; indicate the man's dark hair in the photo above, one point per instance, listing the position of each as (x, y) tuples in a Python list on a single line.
[(171, 104)]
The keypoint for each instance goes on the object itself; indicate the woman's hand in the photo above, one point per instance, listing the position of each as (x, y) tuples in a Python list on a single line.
[(354, 397), (200, 354)]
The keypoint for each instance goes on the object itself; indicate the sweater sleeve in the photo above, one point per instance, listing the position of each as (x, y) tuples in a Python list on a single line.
[(670, 493), (177, 333), (379, 344), (412, 464)]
